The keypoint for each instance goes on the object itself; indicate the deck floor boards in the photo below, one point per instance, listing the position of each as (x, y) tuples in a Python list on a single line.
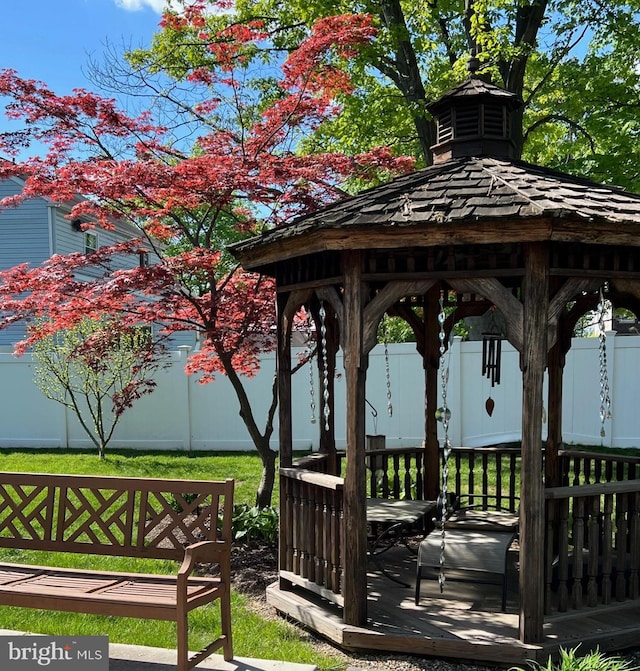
[(465, 621)]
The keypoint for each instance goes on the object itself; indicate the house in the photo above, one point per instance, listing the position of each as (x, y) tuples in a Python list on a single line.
[(38, 228)]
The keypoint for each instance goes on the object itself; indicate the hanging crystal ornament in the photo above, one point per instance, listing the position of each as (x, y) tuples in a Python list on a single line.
[(385, 340), (325, 366), (312, 393), (443, 414), (605, 396)]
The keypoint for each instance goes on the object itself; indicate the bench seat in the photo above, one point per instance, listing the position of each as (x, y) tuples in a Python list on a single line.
[(101, 592)]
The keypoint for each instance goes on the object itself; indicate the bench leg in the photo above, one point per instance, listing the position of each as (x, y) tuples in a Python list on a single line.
[(182, 622), (225, 618), (225, 641), (504, 588)]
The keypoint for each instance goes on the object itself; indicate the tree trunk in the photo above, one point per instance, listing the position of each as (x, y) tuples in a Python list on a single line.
[(268, 479), (260, 440), (406, 75)]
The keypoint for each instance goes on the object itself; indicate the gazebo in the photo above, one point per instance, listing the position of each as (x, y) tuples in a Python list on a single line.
[(477, 230)]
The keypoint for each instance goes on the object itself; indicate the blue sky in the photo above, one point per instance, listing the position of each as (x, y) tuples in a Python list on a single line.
[(52, 40)]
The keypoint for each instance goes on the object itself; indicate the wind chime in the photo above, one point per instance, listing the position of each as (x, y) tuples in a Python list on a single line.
[(491, 358)]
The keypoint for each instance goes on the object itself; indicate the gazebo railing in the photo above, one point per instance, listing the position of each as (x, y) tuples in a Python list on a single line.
[(486, 476), (584, 468), (311, 530), (592, 553), (395, 473)]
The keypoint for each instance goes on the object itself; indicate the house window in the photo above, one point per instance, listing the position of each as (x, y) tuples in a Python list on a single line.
[(144, 258), (90, 242)]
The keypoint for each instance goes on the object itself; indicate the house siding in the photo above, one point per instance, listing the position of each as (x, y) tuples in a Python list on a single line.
[(24, 230), (25, 237), (37, 228)]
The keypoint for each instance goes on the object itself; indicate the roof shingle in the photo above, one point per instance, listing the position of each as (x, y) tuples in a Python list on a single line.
[(467, 189)]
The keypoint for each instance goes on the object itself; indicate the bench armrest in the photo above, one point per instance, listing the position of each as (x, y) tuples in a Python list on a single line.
[(215, 552)]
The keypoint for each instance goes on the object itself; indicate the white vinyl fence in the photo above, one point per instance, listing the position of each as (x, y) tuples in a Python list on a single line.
[(183, 414)]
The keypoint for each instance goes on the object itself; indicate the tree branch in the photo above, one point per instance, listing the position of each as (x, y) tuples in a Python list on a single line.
[(564, 119)]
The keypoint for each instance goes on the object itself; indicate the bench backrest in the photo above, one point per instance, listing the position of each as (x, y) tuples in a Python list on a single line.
[(136, 517)]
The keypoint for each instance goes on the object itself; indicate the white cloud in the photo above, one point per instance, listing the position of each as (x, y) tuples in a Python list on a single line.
[(159, 6), (135, 5)]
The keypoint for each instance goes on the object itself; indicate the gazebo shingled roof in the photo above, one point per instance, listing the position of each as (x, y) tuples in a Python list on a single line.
[(467, 192), (531, 241)]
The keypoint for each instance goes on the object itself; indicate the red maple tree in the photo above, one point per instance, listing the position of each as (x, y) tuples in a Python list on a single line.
[(242, 173)]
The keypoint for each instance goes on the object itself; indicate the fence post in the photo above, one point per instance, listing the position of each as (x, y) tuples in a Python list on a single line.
[(184, 355)]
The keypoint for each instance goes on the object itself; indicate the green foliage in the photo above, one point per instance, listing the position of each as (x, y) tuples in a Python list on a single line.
[(592, 661), (253, 524), (177, 505), (574, 64), (394, 330), (397, 329), (96, 369), (244, 467)]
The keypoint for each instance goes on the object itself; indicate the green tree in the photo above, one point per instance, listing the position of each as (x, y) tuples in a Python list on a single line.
[(96, 369), (207, 159), (573, 62)]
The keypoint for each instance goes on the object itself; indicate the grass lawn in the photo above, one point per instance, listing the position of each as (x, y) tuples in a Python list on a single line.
[(244, 467), (253, 635)]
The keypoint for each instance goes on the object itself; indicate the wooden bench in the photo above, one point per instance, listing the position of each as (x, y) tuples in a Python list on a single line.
[(127, 517)]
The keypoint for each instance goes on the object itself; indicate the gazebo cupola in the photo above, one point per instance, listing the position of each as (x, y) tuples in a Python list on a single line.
[(474, 119)]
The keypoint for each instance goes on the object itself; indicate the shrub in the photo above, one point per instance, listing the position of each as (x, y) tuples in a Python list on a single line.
[(253, 524), (592, 661)]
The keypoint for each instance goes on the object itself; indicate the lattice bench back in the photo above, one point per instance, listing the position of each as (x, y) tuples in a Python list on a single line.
[(134, 517)]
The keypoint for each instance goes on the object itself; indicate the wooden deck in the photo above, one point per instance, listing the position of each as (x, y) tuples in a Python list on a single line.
[(465, 622)]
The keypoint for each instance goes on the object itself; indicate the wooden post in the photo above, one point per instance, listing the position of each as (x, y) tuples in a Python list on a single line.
[(285, 429), (532, 503), (554, 405), (354, 588), (283, 365)]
